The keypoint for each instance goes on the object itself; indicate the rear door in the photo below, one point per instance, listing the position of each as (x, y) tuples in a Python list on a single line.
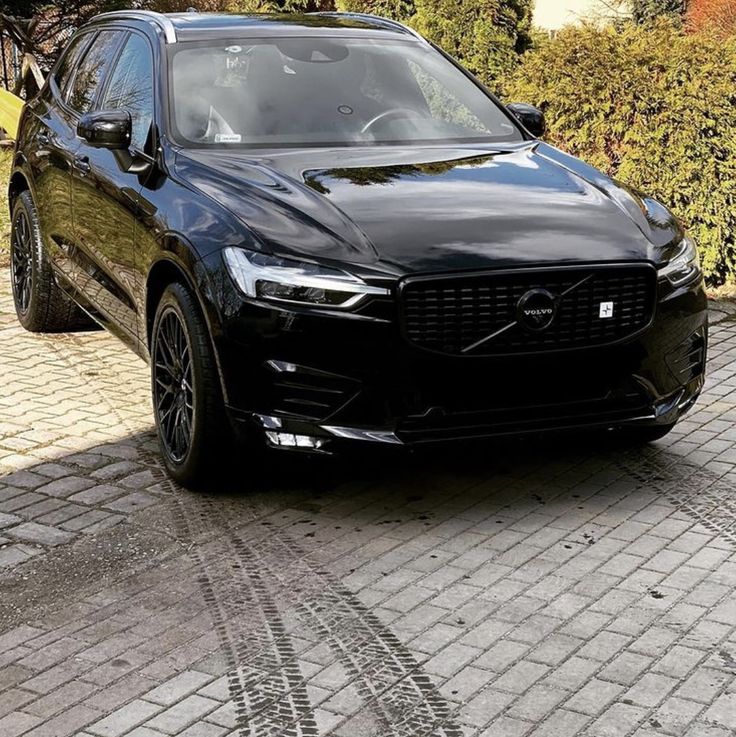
[(104, 193)]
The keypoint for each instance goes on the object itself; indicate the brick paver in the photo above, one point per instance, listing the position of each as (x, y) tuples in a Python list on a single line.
[(539, 589)]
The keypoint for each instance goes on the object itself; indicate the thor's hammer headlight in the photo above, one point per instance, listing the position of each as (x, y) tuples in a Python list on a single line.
[(268, 277), (684, 266)]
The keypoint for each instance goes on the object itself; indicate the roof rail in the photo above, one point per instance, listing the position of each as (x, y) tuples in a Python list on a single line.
[(157, 19), (374, 18)]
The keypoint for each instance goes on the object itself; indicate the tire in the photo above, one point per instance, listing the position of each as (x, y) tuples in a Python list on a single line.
[(41, 305), (193, 431)]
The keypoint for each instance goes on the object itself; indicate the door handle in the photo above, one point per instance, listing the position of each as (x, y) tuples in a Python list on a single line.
[(82, 165), (43, 138)]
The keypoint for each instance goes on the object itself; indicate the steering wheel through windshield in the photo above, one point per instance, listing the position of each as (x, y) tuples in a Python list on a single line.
[(397, 112)]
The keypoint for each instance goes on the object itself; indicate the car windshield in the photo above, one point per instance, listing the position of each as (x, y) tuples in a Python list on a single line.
[(315, 91)]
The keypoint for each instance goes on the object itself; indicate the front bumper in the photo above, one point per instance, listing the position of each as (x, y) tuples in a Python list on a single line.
[(311, 380)]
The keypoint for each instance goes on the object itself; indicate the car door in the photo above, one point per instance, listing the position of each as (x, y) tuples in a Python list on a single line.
[(49, 144), (130, 87), (104, 193)]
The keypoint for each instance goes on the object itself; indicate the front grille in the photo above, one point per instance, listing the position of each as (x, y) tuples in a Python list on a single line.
[(452, 313)]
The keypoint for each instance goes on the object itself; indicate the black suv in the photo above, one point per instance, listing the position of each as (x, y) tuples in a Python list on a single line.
[(321, 229)]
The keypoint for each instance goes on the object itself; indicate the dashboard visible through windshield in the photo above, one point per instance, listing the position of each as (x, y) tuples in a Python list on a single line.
[(305, 91)]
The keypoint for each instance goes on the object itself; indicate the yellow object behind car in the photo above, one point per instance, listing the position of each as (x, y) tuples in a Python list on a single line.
[(10, 108)]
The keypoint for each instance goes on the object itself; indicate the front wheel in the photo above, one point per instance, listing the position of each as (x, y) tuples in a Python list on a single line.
[(192, 428)]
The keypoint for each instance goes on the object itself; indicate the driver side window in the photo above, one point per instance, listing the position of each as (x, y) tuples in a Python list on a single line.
[(131, 88)]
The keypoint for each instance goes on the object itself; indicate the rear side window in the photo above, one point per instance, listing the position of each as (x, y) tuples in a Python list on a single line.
[(131, 88), (69, 61), (91, 71)]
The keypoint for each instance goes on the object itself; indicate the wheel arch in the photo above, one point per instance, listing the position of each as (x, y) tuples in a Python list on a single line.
[(18, 183), (178, 263)]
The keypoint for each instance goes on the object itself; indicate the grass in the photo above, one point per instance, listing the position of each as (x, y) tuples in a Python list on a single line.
[(6, 155)]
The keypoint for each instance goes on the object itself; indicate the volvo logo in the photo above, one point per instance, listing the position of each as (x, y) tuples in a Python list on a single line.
[(536, 309)]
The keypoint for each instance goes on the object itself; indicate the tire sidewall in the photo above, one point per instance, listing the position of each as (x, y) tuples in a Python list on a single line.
[(175, 299), (24, 204)]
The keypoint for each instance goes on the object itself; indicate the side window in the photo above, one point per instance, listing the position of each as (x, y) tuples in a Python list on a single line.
[(69, 61), (131, 88), (92, 70)]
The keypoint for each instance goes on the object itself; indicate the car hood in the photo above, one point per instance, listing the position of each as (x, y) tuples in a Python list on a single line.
[(430, 209)]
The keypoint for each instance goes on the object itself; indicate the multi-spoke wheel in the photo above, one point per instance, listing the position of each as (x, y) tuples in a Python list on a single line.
[(187, 400), (172, 385), (39, 302), (22, 260)]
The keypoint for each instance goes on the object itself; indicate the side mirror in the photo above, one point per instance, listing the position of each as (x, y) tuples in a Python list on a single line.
[(106, 129), (532, 118)]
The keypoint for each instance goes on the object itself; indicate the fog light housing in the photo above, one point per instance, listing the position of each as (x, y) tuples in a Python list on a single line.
[(291, 440)]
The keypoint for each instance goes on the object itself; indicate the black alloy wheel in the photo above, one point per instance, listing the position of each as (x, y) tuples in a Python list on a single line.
[(21, 246), (40, 303), (173, 389), (193, 431)]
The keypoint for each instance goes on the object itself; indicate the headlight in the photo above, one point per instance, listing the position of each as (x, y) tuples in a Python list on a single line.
[(684, 265), (269, 277)]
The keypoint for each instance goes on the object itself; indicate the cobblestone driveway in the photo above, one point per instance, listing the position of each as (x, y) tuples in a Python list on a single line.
[(520, 590)]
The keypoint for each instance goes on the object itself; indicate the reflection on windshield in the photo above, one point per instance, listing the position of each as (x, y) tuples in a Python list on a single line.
[(327, 91)]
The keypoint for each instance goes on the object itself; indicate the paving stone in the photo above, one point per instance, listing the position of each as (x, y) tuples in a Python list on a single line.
[(617, 721), (561, 722), (651, 689), (226, 716), (626, 668), (722, 711), (520, 676), (594, 696), (97, 494), (33, 532), (67, 723), (66, 486), (131, 502), (124, 719), (7, 520), (450, 659), (204, 730), (481, 709), (17, 723), (12, 555), (182, 714), (181, 685), (62, 699)]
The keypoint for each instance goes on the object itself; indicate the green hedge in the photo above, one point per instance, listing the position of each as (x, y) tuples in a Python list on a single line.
[(487, 36), (653, 108)]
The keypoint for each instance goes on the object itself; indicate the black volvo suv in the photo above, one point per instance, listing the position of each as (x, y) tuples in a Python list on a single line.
[(321, 229)]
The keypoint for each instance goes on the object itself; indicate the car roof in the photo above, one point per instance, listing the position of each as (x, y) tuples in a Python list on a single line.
[(195, 26)]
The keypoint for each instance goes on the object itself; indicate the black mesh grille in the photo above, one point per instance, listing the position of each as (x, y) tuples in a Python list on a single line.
[(449, 314)]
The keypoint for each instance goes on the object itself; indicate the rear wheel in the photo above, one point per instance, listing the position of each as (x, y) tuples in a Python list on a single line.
[(193, 430), (41, 305)]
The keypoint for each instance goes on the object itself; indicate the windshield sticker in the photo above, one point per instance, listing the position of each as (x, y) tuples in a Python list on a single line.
[(227, 137)]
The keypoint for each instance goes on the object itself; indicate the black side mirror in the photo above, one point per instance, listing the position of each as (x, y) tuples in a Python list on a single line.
[(106, 129), (532, 118)]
